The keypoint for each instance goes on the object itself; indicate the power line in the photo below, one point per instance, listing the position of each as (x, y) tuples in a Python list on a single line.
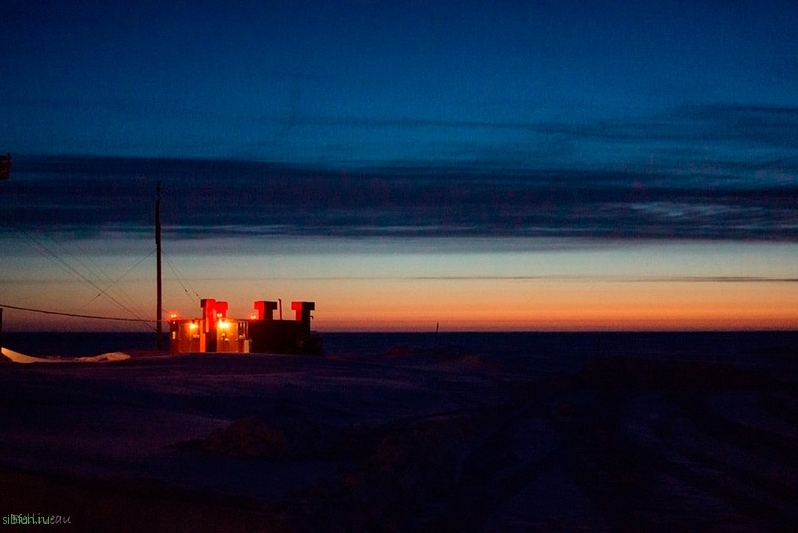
[(115, 281), (67, 267), (93, 317), (183, 281)]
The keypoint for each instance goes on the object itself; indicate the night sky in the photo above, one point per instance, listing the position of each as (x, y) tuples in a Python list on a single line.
[(485, 165)]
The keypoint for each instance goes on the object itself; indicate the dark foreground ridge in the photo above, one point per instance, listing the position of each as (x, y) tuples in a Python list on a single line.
[(414, 440)]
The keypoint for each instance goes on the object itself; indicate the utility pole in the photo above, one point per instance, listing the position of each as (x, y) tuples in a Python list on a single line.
[(159, 289)]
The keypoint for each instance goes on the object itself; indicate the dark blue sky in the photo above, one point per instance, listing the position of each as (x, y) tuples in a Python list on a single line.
[(610, 85), (664, 119)]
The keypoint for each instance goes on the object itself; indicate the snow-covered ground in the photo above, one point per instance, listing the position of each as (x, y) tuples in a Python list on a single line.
[(413, 440), (21, 358)]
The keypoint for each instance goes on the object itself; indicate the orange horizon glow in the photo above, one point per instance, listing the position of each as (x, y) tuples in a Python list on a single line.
[(513, 306), (663, 307), (656, 287)]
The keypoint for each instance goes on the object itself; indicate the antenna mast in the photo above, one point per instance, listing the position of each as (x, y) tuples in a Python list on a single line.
[(159, 291)]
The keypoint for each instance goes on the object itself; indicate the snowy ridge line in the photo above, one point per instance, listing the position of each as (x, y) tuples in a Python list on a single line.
[(16, 357)]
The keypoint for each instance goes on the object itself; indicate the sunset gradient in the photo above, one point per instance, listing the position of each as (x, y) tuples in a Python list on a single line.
[(374, 285), (470, 165)]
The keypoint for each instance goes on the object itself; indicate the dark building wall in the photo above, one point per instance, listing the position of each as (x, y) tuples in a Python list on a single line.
[(278, 336)]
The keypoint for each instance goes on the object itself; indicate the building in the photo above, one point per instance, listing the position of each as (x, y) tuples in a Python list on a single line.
[(214, 331)]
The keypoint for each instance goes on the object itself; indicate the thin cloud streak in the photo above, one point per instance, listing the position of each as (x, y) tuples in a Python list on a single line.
[(730, 140), (202, 199)]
